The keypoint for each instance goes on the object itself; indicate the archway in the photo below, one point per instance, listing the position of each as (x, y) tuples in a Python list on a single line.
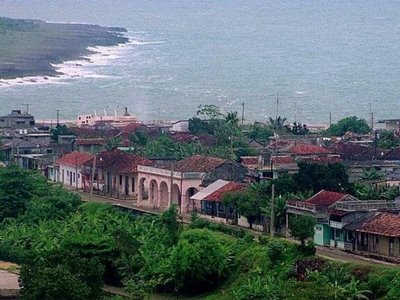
[(153, 193), (143, 192), (164, 194), (176, 195), (190, 204)]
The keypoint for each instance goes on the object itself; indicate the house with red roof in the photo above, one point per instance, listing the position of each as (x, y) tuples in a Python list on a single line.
[(115, 173), (334, 213), (377, 235), (69, 168)]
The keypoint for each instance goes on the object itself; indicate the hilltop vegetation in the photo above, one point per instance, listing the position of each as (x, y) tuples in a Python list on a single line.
[(68, 250), (29, 47)]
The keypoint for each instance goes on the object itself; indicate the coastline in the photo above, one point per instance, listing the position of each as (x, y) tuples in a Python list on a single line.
[(44, 52)]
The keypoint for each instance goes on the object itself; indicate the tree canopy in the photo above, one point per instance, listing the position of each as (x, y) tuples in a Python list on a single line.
[(349, 124)]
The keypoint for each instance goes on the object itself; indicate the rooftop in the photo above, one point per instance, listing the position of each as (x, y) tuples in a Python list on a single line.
[(326, 198), (307, 149), (383, 223), (216, 190), (119, 162), (74, 159), (198, 163)]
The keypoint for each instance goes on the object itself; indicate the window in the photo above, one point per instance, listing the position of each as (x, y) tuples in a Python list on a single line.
[(73, 177), (120, 179), (375, 241), (391, 246), (133, 184)]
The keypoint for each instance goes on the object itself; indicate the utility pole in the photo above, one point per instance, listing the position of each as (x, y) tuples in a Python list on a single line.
[(330, 119), (58, 117), (272, 225), (242, 113), (372, 117)]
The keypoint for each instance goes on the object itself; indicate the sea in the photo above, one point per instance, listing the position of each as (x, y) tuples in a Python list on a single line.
[(305, 60)]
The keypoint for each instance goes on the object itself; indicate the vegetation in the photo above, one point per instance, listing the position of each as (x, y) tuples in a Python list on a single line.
[(302, 228), (349, 124), (68, 250), (387, 139)]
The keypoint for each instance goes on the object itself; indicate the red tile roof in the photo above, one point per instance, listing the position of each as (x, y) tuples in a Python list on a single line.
[(119, 162), (74, 159), (198, 163), (228, 188), (386, 224), (283, 160), (326, 198), (322, 160), (249, 160), (306, 149), (98, 141)]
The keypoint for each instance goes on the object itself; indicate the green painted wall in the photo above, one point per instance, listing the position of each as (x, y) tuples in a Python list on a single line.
[(322, 234)]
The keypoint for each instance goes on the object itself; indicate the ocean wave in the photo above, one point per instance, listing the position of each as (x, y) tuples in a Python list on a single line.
[(84, 67)]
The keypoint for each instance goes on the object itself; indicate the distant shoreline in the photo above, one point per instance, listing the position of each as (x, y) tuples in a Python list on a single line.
[(33, 48)]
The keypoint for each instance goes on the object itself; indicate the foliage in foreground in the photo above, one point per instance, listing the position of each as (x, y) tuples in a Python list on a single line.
[(71, 256)]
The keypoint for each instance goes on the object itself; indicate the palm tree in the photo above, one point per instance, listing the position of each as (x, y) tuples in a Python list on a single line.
[(278, 123), (232, 118)]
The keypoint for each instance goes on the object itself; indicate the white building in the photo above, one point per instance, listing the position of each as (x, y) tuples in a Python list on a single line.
[(71, 167)]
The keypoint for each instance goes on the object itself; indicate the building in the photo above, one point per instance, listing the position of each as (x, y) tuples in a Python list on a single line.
[(89, 145), (174, 183), (208, 201), (17, 120), (377, 235), (333, 212), (69, 168), (115, 173)]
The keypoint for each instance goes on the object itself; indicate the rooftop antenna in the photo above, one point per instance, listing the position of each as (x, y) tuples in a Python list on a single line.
[(105, 113)]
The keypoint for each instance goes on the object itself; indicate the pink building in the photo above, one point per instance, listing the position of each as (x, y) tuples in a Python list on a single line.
[(159, 187)]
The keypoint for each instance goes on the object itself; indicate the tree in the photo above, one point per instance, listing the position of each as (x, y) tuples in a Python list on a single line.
[(297, 129), (138, 139), (17, 188), (301, 228), (198, 126), (388, 140), (198, 260), (60, 130), (349, 124), (232, 119), (261, 133), (61, 275), (209, 111), (278, 123), (112, 143), (315, 177)]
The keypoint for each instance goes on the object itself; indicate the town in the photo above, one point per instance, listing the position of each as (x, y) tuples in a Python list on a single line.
[(197, 163), (337, 188)]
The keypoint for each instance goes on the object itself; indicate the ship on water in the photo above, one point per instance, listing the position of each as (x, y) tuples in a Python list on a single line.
[(114, 120)]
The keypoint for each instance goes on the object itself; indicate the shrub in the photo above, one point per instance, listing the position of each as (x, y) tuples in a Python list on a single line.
[(198, 261)]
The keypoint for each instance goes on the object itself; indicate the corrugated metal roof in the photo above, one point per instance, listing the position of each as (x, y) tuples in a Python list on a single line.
[(209, 189)]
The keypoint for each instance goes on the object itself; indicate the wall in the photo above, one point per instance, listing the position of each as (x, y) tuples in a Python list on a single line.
[(230, 171), (322, 234)]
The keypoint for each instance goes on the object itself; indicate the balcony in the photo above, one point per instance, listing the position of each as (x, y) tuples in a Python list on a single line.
[(367, 205), (335, 224)]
